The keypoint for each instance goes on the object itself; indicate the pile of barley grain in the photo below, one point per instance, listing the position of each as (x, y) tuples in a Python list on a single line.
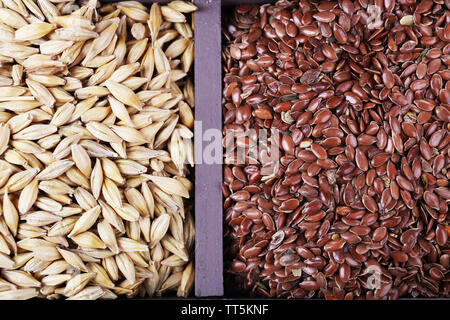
[(358, 110), (95, 142)]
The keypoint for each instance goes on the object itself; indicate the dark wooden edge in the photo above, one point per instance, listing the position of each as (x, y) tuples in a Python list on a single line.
[(208, 177)]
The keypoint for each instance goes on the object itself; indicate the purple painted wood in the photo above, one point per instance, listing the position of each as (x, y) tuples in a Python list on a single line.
[(208, 177)]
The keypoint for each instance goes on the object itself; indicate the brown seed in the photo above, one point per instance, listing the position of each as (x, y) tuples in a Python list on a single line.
[(319, 151), (404, 183), (379, 234), (441, 235), (361, 160), (388, 78), (334, 245), (288, 144), (238, 266), (425, 149), (289, 205), (369, 203), (312, 207), (324, 16), (431, 199), (399, 256)]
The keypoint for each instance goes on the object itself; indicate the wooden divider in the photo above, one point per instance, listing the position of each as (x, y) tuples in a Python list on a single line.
[(208, 177)]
